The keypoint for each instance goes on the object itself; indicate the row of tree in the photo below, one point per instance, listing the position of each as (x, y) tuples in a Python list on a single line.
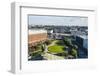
[(73, 48)]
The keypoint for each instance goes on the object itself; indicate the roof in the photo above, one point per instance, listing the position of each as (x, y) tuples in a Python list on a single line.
[(83, 36), (37, 31)]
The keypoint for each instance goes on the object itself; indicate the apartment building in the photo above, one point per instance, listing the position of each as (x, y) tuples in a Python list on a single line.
[(36, 36)]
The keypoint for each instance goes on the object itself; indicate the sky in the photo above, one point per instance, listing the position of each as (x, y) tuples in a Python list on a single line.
[(57, 20)]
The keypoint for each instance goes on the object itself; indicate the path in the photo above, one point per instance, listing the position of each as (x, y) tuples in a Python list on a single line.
[(53, 43), (52, 57), (46, 48)]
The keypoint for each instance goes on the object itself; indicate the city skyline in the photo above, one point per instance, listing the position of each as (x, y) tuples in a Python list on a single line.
[(58, 20)]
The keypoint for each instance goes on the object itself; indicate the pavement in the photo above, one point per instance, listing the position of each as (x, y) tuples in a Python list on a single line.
[(52, 57)]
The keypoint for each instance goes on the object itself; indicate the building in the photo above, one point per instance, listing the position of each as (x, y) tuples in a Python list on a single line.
[(36, 36), (82, 40), (50, 32)]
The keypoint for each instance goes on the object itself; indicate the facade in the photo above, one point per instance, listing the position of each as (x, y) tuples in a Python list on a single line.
[(36, 36), (82, 40)]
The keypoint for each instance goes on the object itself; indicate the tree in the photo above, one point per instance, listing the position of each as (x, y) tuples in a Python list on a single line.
[(67, 41), (75, 47), (74, 53), (47, 42), (43, 47)]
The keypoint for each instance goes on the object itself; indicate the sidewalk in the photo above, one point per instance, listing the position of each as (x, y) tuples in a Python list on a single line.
[(52, 57)]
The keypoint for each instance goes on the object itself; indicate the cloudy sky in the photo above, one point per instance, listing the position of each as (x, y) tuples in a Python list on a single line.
[(58, 20)]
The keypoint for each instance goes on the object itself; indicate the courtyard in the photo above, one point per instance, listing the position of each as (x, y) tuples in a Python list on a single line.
[(52, 49)]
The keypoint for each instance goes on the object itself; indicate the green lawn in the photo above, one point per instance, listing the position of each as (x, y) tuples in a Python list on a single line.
[(56, 49)]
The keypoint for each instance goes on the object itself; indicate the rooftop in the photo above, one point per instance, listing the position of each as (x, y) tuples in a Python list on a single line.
[(83, 36), (37, 31)]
